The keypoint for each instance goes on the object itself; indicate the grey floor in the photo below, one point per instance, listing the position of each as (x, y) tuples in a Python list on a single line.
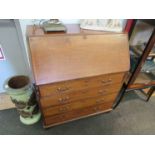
[(132, 116)]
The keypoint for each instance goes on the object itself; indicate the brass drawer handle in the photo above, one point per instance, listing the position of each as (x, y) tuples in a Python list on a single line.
[(62, 89), (63, 100), (109, 81), (106, 84), (102, 91), (100, 101), (64, 109), (103, 81)]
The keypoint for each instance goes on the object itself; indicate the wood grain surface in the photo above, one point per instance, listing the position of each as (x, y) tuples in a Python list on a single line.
[(66, 57)]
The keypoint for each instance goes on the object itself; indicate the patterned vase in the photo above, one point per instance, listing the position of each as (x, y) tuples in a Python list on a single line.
[(22, 94)]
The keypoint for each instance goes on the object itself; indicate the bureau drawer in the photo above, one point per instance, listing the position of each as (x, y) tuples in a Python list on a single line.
[(74, 85), (78, 105), (77, 114), (74, 96)]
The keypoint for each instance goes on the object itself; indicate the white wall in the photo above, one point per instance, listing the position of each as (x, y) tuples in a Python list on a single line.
[(14, 64)]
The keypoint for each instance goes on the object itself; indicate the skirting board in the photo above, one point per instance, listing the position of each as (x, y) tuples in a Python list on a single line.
[(5, 102)]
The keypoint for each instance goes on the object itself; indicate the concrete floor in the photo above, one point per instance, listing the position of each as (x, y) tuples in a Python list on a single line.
[(132, 116)]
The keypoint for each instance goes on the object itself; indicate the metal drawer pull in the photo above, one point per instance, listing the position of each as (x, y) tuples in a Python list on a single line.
[(100, 101), (104, 81), (62, 89), (109, 81), (64, 109), (102, 91), (106, 84), (63, 100)]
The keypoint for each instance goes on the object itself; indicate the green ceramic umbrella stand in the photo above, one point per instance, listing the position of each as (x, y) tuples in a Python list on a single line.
[(22, 94)]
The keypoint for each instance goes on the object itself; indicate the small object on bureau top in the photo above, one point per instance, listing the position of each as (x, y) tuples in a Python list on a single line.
[(53, 25)]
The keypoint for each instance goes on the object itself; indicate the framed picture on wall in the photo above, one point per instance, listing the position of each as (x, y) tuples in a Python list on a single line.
[(1, 53)]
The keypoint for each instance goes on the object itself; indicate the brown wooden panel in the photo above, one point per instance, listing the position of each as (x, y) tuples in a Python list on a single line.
[(79, 104), (67, 57), (77, 114), (75, 96), (76, 85)]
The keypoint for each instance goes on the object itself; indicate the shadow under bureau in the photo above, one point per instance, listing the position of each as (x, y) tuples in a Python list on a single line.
[(78, 73)]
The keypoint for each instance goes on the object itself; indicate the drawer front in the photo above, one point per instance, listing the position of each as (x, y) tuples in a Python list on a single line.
[(75, 96), (75, 85), (79, 104), (77, 114)]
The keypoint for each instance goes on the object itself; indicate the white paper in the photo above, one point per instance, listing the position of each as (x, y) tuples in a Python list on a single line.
[(114, 25)]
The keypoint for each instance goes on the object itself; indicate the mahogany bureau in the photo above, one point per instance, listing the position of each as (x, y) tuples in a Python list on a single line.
[(78, 73)]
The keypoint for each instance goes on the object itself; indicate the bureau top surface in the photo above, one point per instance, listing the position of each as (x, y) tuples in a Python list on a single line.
[(59, 57), (72, 29)]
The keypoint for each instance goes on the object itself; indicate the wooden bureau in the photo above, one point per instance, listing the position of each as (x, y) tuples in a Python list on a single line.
[(78, 73)]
